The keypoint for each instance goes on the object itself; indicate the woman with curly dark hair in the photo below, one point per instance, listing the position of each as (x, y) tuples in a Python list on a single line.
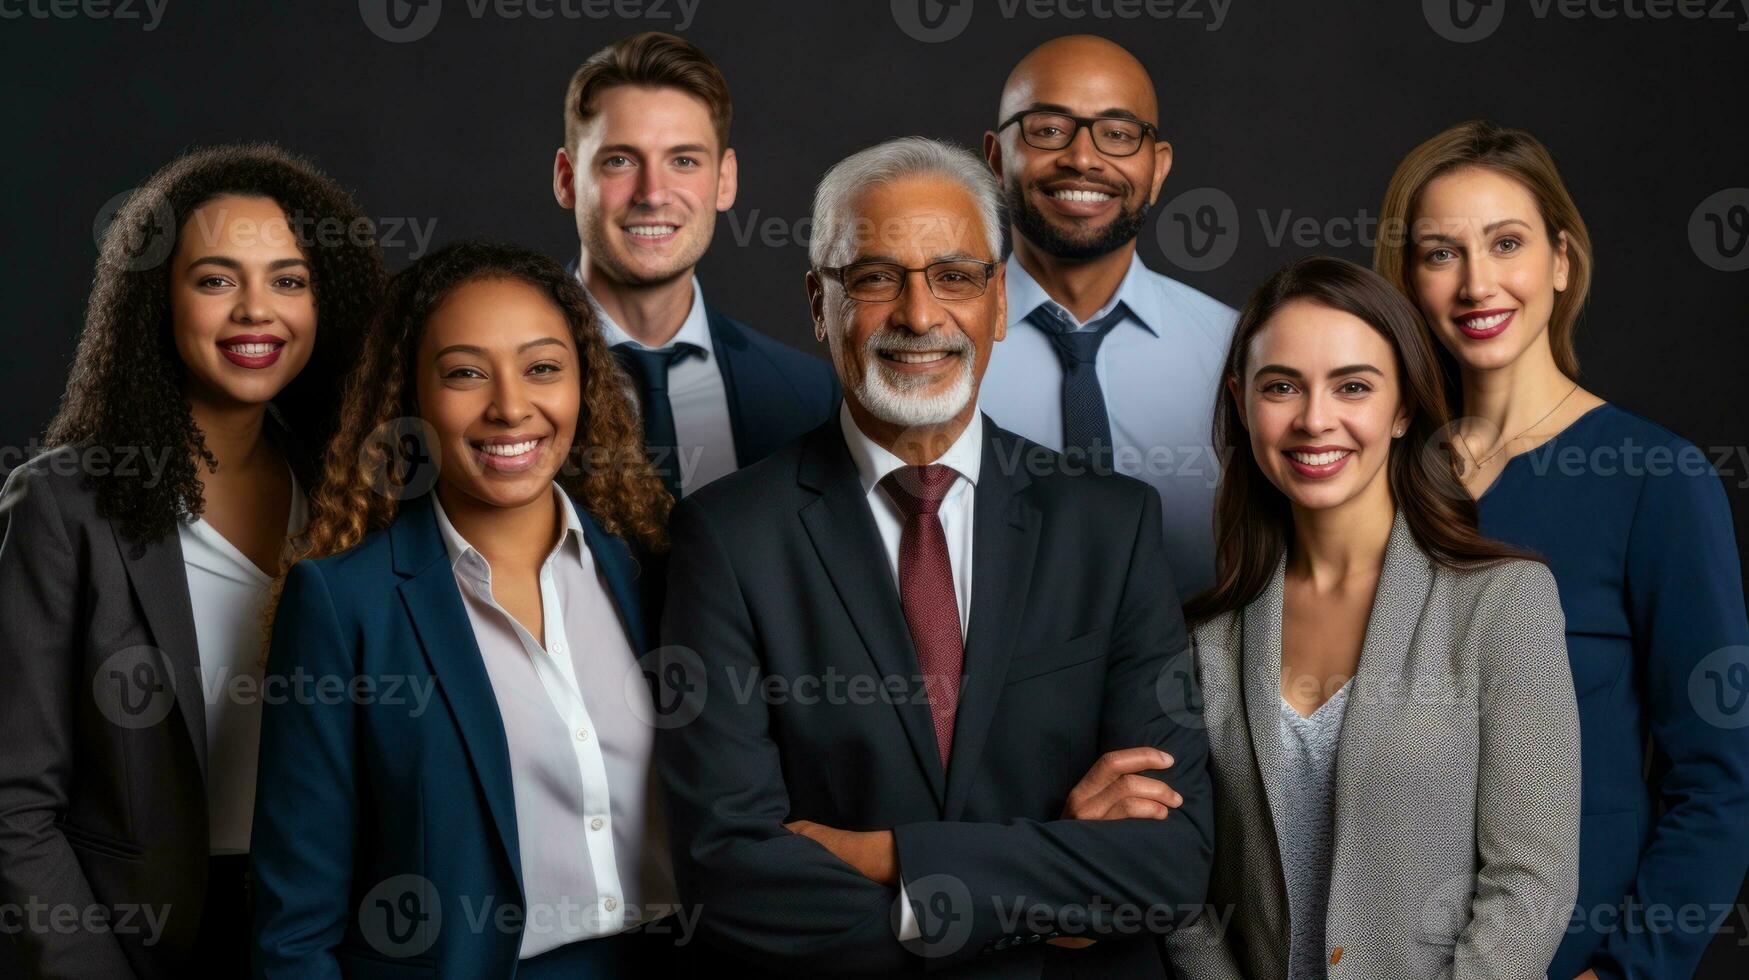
[(230, 292), (479, 529)]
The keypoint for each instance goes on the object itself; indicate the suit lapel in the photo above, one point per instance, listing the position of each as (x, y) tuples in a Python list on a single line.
[(844, 535), (152, 569), (620, 570), (434, 604), (744, 378), (1405, 582), (1261, 646), (1005, 531)]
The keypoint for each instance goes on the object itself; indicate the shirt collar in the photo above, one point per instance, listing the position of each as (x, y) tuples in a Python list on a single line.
[(465, 558), (695, 329), (1026, 295), (874, 461)]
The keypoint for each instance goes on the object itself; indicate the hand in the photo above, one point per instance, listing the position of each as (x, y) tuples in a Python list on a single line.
[(1114, 788), (871, 852)]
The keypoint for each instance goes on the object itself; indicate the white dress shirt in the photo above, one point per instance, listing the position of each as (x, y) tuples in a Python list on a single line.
[(226, 592), (964, 457), (588, 818), (697, 393), (1159, 370)]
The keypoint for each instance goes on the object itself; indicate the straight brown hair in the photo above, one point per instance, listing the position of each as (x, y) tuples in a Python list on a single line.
[(651, 59), (1518, 155), (1253, 521)]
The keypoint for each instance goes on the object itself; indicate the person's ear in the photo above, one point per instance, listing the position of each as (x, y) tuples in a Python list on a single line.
[(1162, 167), (993, 153), (1562, 263), (816, 304), (999, 282), (728, 180), (564, 180)]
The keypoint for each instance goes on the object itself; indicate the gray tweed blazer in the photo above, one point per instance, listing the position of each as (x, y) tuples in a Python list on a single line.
[(1457, 782)]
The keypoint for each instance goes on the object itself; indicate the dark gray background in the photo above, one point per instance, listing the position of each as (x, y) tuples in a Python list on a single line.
[(1295, 109)]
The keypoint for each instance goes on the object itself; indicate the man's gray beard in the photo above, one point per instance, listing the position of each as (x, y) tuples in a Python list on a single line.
[(891, 397)]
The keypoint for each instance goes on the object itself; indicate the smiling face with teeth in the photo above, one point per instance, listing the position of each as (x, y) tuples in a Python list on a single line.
[(1484, 268), (242, 306), (645, 181), (1320, 401), (1077, 203), (498, 384), (914, 362)]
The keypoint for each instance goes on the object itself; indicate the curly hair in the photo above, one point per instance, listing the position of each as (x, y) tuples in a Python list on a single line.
[(126, 385), (365, 474)]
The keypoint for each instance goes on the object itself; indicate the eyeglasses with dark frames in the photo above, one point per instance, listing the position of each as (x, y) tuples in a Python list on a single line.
[(1114, 136), (881, 282)]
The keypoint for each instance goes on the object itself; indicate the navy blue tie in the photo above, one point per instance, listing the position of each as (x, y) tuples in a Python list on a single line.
[(1086, 425), (649, 370)]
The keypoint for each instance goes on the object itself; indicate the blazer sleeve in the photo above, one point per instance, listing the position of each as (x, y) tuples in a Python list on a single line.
[(306, 795), (39, 658), (774, 897), (1527, 781), (1098, 877), (1685, 600)]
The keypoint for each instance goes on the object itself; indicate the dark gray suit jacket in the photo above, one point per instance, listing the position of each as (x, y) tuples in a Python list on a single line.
[(102, 734), (790, 691)]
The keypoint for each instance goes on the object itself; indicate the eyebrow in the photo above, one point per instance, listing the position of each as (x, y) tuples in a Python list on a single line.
[(1116, 112), (627, 148), (1487, 229), (231, 263), (1296, 373), (472, 349)]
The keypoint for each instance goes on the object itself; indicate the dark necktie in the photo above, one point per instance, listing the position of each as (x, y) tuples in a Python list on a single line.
[(926, 590), (649, 370), (1086, 426)]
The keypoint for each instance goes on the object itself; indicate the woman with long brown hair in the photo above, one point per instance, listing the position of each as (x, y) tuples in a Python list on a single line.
[(474, 579), (1391, 727), (140, 550), (1633, 522)]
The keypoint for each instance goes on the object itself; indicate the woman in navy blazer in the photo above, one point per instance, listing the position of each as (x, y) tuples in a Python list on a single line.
[(1634, 524), (397, 793)]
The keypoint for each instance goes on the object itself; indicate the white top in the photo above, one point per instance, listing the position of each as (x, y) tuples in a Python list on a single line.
[(227, 593), (1309, 747), (588, 819), (706, 440), (873, 462), (1159, 371)]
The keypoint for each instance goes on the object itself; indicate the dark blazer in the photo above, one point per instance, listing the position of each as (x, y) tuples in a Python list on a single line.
[(103, 719), (790, 689), (775, 392), (382, 830)]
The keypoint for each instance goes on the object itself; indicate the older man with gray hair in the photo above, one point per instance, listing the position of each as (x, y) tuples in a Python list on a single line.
[(925, 699)]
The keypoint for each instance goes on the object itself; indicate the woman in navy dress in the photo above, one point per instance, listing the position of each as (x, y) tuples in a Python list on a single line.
[(1634, 524)]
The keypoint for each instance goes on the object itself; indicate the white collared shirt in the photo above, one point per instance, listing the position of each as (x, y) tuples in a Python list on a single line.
[(873, 462), (226, 593), (1159, 370), (588, 818), (696, 391)]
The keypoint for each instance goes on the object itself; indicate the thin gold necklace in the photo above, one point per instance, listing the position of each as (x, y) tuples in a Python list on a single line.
[(1502, 447)]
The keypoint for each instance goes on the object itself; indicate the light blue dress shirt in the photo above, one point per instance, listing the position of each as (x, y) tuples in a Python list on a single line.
[(1159, 370)]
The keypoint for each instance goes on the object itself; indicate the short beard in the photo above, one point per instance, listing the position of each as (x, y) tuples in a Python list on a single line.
[(1038, 230), (601, 255), (893, 399)]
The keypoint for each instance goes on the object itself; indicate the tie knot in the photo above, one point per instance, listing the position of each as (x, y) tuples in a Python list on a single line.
[(1075, 345), (650, 367), (919, 489)]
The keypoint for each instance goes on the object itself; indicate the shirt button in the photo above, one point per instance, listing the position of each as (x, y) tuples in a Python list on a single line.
[(558, 646), (610, 903), (582, 734), (595, 824)]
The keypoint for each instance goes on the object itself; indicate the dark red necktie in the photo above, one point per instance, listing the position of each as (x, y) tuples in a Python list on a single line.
[(926, 590)]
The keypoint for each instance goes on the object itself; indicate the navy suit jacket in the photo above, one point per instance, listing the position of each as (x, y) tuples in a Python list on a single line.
[(775, 392), (385, 841)]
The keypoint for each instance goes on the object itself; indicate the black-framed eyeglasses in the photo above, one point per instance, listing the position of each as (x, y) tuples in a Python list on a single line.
[(1114, 136), (879, 282)]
